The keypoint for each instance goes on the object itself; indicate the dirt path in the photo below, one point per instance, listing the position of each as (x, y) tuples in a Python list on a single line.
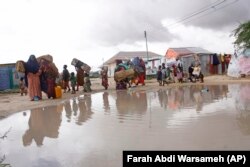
[(14, 102)]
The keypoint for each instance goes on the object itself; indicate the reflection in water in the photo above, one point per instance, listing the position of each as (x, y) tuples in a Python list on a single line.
[(106, 101), (68, 110), (198, 100), (43, 122), (163, 98), (74, 107), (153, 120), (131, 103), (85, 111), (242, 96), (187, 97), (241, 93), (243, 119)]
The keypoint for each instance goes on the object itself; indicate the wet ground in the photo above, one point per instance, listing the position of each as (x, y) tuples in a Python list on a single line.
[(93, 130)]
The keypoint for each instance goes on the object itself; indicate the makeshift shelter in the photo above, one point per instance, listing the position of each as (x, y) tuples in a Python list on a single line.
[(244, 62), (151, 59), (8, 76), (187, 56)]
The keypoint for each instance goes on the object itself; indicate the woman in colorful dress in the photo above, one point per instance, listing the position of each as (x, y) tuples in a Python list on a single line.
[(32, 72), (50, 73), (79, 77), (104, 74), (142, 73), (122, 84)]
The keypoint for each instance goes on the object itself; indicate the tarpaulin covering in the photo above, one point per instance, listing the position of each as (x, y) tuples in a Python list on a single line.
[(244, 65), (233, 68)]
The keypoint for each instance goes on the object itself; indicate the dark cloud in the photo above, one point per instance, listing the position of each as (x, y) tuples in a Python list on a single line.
[(126, 21), (226, 15), (121, 21)]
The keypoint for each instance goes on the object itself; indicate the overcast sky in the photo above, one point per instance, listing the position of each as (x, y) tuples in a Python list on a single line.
[(95, 30)]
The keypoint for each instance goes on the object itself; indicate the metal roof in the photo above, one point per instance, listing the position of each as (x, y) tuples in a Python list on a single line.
[(129, 55), (191, 50)]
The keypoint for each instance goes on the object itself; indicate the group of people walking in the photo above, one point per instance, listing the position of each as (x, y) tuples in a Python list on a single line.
[(167, 74), (81, 78), (175, 72), (130, 73), (41, 75)]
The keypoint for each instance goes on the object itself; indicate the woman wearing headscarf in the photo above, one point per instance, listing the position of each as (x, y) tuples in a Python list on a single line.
[(104, 74), (32, 72), (142, 73), (122, 84), (50, 73)]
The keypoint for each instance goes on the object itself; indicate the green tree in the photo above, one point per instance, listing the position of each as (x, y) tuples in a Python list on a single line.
[(242, 35)]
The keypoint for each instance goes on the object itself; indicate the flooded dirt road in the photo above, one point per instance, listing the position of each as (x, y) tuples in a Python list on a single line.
[(93, 130)]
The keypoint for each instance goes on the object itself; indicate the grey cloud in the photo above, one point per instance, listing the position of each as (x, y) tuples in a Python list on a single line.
[(126, 21), (227, 15), (121, 21)]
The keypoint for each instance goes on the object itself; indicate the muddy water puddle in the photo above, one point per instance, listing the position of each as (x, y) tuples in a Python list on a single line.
[(93, 130)]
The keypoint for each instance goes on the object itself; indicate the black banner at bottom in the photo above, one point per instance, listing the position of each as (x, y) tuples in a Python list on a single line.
[(185, 158)]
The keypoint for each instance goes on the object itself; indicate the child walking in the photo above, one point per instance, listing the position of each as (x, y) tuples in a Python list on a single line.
[(87, 83), (22, 87), (73, 82), (159, 75)]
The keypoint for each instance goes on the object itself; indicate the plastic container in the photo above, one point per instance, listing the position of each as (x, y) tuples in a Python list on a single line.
[(58, 91)]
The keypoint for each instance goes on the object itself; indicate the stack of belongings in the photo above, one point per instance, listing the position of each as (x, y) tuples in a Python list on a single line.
[(79, 64), (49, 67), (123, 74), (137, 65), (49, 75), (20, 66)]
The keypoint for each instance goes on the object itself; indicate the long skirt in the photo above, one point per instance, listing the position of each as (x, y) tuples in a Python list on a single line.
[(121, 85), (105, 83), (80, 77), (51, 88), (34, 87), (141, 79)]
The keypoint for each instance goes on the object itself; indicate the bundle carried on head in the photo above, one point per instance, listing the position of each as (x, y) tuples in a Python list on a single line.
[(79, 64), (123, 74), (138, 66), (47, 58), (20, 66), (46, 61), (136, 61), (105, 68)]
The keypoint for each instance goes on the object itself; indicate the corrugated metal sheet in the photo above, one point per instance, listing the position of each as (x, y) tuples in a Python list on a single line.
[(9, 77), (198, 50), (204, 59), (130, 55), (4, 78), (174, 52)]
